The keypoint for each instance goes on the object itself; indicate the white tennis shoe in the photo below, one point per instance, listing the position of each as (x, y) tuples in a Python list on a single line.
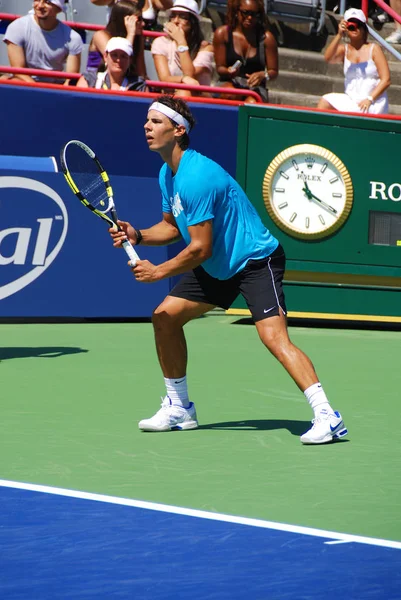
[(171, 417), (325, 428)]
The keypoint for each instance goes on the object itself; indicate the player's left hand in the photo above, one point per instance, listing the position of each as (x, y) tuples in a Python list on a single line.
[(144, 271)]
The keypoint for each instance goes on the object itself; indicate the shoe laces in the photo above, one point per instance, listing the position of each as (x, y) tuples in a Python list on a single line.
[(166, 402)]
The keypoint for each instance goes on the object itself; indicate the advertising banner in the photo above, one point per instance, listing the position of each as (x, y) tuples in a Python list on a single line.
[(57, 259)]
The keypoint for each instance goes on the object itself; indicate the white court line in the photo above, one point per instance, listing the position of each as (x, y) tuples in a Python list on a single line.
[(202, 514)]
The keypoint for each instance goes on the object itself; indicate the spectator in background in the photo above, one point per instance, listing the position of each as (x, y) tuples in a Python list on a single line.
[(150, 9), (41, 41), (245, 49), (125, 21), (117, 59), (366, 71), (395, 37), (183, 56)]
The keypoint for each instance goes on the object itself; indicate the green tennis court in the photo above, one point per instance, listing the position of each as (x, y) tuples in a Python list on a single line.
[(72, 395)]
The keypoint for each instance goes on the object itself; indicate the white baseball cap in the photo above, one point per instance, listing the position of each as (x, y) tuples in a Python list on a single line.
[(355, 13), (190, 6), (59, 4), (119, 43)]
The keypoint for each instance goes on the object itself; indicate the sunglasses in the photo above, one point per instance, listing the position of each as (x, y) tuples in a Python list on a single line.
[(249, 13)]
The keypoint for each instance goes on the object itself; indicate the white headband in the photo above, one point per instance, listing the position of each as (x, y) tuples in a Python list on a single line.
[(171, 114)]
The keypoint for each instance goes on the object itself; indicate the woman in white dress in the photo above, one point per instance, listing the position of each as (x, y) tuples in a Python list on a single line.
[(366, 71)]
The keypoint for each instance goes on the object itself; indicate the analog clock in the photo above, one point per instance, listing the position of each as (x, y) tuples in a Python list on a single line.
[(308, 191)]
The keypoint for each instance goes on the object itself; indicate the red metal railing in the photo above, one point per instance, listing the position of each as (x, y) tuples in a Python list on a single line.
[(125, 94), (154, 84), (205, 88)]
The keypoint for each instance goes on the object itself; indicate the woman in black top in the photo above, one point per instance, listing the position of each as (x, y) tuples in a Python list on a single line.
[(245, 50)]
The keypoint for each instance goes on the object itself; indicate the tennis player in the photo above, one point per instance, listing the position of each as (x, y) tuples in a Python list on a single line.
[(228, 251)]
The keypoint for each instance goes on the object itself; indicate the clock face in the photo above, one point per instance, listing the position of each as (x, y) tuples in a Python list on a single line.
[(308, 191)]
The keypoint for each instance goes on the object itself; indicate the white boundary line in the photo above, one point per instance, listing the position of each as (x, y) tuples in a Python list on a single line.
[(202, 514)]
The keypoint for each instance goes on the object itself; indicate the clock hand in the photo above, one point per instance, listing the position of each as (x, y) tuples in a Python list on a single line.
[(330, 208), (303, 176), (312, 196)]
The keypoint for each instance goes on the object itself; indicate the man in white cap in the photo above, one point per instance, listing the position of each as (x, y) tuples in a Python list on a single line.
[(117, 58), (41, 41)]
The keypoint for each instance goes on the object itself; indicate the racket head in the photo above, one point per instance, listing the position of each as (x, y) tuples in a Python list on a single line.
[(88, 179)]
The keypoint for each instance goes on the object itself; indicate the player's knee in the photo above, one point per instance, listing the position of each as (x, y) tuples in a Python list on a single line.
[(276, 344), (162, 320)]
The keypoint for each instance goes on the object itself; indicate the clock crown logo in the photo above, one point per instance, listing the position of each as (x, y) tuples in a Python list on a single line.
[(310, 161)]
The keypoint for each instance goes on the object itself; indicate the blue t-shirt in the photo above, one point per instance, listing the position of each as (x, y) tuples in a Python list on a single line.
[(202, 190)]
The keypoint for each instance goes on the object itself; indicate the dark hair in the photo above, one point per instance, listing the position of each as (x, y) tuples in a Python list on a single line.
[(116, 25), (262, 22), (182, 108), (194, 36), (124, 8)]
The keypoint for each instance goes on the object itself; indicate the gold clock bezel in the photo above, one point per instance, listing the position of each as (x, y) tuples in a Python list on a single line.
[(323, 153)]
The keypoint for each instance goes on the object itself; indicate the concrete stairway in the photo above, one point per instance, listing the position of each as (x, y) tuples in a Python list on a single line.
[(304, 75)]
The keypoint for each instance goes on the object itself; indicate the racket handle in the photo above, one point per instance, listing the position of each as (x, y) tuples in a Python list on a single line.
[(131, 253)]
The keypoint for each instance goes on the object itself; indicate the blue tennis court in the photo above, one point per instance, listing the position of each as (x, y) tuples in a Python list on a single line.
[(63, 544)]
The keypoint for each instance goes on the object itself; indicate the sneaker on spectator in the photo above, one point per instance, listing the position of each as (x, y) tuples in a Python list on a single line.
[(381, 17), (395, 37), (326, 427), (171, 417)]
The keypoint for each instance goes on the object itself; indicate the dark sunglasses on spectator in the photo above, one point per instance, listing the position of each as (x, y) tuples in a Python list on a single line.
[(249, 13)]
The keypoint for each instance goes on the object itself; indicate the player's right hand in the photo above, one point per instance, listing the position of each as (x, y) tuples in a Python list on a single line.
[(127, 232)]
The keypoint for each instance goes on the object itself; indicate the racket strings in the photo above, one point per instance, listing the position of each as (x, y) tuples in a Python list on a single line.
[(93, 189)]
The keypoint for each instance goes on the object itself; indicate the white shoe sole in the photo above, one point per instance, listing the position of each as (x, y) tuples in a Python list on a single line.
[(329, 437), (143, 426)]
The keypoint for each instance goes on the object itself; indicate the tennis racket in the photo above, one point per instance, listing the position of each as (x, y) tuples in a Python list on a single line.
[(90, 183)]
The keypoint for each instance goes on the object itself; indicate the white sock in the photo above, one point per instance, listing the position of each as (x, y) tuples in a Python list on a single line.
[(318, 400), (177, 391)]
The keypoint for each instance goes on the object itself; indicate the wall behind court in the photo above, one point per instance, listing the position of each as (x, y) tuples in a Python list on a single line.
[(37, 122), (47, 266)]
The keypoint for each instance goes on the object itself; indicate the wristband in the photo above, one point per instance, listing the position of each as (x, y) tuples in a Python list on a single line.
[(139, 237), (182, 48), (267, 77), (369, 98)]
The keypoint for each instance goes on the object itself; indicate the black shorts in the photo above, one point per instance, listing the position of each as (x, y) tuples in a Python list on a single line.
[(260, 283)]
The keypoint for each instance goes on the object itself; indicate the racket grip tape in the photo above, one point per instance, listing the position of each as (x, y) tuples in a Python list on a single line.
[(133, 256)]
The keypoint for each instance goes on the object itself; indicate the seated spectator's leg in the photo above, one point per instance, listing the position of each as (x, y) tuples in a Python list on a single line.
[(248, 100), (323, 104), (227, 84)]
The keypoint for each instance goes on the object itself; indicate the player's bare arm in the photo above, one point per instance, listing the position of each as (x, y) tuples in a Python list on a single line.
[(198, 250), (161, 234)]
